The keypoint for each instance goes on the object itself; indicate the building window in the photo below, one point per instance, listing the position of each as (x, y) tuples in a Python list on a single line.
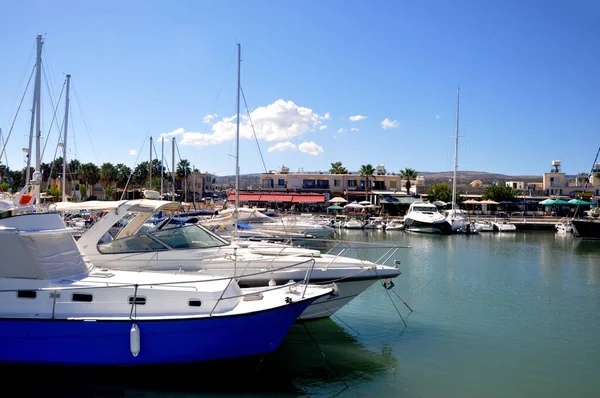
[(281, 182), (336, 183), (351, 183), (308, 183)]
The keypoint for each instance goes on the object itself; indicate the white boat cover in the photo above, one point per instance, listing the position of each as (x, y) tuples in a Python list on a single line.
[(46, 252)]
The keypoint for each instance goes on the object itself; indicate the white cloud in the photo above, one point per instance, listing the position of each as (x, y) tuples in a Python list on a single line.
[(389, 124), (282, 146), (312, 148), (279, 121), (341, 130), (132, 152), (323, 127), (354, 130), (327, 116), (356, 118), (208, 118)]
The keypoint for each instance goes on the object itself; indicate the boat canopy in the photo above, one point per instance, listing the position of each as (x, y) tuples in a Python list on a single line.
[(39, 246), (138, 205)]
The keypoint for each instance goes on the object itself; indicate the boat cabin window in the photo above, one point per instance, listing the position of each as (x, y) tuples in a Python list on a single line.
[(26, 294), (124, 245), (425, 209), (188, 237)]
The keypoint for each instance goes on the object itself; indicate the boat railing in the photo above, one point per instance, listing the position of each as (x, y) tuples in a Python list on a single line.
[(292, 285), (344, 248)]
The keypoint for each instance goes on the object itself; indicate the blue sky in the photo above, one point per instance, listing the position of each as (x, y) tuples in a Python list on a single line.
[(528, 72)]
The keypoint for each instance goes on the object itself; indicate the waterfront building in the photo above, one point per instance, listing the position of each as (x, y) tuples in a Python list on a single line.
[(556, 183)]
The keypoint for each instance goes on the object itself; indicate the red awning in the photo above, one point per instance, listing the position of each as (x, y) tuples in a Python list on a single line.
[(308, 199), (275, 197)]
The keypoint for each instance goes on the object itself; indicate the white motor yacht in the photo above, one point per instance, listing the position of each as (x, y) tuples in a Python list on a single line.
[(193, 248), (425, 217)]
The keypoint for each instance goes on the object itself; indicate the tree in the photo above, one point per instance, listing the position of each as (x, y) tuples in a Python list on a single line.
[(337, 168), (123, 173), (83, 191), (408, 174), (4, 187), (366, 170), (140, 174), (183, 170), (107, 174), (55, 192), (18, 179), (109, 192), (499, 193), (441, 192)]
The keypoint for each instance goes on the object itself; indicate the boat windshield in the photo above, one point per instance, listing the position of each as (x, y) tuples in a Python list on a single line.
[(425, 208), (187, 237)]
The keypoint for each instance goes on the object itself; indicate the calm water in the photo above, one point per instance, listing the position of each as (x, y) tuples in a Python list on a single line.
[(495, 315)]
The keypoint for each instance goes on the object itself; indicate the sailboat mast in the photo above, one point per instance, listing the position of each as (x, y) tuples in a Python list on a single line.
[(38, 89), (162, 167), (237, 145), (64, 171), (34, 112), (455, 150), (150, 166), (173, 168)]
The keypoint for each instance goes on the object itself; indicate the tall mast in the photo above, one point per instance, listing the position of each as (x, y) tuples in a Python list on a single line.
[(64, 171), (455, 150), (237, 144), (150, 166), (173, 167), (38, 64), (38, 87), (162, 166)]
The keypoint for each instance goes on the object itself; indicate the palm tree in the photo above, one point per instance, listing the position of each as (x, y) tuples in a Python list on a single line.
[(367, 170), (183, 170), (337, 168), (408, 174), (123, 173), (108, 174)]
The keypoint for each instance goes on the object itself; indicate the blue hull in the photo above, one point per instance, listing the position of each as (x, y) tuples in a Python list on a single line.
[(102, 343)]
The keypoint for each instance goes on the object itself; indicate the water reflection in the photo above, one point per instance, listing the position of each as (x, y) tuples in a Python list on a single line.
[(296, 368)]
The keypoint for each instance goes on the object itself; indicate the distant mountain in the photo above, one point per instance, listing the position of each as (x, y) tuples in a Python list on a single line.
[(466, 177)]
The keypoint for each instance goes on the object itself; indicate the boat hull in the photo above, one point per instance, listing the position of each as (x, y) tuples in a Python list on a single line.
[(442, 227), (587, 229), (326, 306), (165, 341)]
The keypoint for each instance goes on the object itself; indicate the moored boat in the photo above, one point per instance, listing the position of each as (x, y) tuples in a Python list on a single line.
[(58, 308)]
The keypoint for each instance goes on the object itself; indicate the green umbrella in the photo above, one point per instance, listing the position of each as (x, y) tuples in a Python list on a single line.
[(580, 202), (335, 207)]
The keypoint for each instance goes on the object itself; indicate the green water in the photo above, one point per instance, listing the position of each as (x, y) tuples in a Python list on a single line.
[(495, 315)]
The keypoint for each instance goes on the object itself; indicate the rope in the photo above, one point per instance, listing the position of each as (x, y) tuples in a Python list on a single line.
[(133, 168), (15, 119)]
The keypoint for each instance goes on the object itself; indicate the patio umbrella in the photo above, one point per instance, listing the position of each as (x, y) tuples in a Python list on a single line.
[(560, 202), (338, 200), (546, 202), (471, 202), (489, 202), (364, 203), (580, 202), (354, 205), (440, 203), (335, 208)]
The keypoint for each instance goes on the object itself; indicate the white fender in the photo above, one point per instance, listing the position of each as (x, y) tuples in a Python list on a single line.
[(134, 340)]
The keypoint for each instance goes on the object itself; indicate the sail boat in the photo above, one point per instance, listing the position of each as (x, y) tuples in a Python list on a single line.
[(459, 223)]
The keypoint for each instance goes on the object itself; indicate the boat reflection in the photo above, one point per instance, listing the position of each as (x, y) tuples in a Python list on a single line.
[(297, 368)]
